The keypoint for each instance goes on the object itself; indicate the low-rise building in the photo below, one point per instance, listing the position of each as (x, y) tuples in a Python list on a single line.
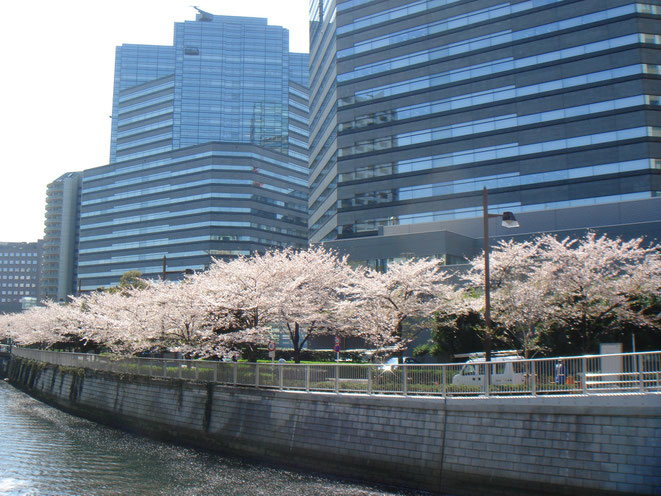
[(20, 268)]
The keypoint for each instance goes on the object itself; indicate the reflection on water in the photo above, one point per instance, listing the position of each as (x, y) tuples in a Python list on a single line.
[(49, 453)]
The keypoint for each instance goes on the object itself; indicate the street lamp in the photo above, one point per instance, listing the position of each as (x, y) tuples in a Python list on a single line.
[(188, 272), (509, 221)]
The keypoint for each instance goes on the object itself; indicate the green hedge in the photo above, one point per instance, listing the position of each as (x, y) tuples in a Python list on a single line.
[(312, 355)]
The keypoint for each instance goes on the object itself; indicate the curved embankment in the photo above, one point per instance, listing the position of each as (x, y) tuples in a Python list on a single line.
[(549, 445)]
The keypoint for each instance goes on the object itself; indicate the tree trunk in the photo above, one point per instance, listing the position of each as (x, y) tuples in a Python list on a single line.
[(526, 342), (398, 333), (251, 353), (585, 334), (296, 343)]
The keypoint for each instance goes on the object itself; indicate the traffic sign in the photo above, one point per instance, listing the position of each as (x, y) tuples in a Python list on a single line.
[(337, 348), (271, 346), (337, 340)]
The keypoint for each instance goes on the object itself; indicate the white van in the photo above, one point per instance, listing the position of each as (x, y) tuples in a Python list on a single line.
[(505, 370)]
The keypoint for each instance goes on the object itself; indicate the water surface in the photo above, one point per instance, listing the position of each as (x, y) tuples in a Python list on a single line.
[(46, 452)]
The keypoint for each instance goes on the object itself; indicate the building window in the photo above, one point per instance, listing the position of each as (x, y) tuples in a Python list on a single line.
[(652, 69)]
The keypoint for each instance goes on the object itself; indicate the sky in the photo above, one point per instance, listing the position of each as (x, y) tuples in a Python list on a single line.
[(58, 62)]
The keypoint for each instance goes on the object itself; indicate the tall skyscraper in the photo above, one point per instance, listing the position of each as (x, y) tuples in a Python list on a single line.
[(208, 153), (417, 105), (58, 273), (144, 77)]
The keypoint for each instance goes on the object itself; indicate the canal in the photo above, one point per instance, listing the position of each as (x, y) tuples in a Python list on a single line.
[(45, 452)]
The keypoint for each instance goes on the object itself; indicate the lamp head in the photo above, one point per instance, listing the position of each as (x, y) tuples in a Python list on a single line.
[(509, 220)]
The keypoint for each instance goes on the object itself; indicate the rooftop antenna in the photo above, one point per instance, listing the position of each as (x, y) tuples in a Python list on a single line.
[(203, 15)]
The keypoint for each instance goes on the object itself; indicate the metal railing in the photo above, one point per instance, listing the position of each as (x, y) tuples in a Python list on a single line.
[(617, 373)]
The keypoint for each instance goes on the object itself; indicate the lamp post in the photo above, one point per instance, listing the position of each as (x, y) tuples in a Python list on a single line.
[(509, 221), (165, 272), (165, 264)]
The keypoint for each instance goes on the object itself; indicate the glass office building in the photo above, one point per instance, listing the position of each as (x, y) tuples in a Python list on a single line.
[(209, 151), (417, 105)]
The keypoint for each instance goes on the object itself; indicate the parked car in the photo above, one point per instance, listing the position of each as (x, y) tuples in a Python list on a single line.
[(393, 363), (505, 370)]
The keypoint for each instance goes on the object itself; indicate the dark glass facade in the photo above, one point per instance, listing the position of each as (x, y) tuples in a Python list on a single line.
[(416, 106), (209, 152)]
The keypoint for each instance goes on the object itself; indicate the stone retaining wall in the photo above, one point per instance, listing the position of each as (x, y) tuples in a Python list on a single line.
[(545, 445), (4, 365)]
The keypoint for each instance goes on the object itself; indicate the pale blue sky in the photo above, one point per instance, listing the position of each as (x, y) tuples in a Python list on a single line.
[(56, 96)]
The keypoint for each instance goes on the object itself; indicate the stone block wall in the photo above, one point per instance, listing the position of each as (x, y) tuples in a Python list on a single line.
[(558, 444), (545, 445)]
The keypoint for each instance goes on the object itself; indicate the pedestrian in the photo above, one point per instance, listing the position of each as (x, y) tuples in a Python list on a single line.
[(560, 372)]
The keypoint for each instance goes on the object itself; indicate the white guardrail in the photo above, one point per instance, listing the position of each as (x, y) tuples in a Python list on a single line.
[(616, 373)]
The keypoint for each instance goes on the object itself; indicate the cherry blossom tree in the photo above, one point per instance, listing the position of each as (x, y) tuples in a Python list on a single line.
[(305, 291), (10, 327), (39, 325), (582, 285), (122, 321), (598, 281), (180, 318), (236, 297), (390, 308), (523, 311), (5, 327), (147, 316), (249, 298), (519, 295)]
